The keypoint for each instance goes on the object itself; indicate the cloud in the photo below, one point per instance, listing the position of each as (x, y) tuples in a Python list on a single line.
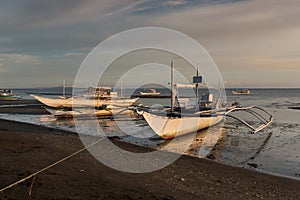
[(175, 2), (241, 36), (17, 58), (20, 70), (36, 13), (74, 54), (244, 18)]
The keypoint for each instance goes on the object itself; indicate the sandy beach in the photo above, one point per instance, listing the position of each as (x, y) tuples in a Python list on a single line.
[(27, 148)]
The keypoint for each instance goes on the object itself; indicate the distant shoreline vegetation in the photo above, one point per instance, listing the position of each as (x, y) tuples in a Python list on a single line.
[(227, 88)]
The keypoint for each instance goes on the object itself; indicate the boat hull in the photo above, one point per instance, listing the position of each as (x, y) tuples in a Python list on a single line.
[(241, 93), (82, 103), (10, 98), (170, 127), (149, 93)]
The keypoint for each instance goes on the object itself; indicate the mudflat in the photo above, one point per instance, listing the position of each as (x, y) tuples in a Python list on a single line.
[(25, 149)]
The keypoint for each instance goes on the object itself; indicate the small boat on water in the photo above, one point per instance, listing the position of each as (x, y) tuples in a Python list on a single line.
[(7, 94), (151, 92), (241, 91), (93, 97)]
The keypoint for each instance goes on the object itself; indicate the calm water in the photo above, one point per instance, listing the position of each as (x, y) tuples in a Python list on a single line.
[(274, 150)]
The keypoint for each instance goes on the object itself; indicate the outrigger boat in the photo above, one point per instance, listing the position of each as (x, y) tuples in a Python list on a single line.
[(178, 121), (80, 102), (7, 94), (94, 97)]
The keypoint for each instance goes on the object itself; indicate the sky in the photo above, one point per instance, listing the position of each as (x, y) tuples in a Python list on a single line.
[(254, 43)]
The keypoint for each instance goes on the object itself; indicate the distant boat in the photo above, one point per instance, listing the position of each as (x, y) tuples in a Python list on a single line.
[(241, 91), (7, 94), (151, 92)]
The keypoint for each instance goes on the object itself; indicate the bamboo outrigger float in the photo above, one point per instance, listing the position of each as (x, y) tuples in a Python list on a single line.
[(86, 113), (265, 120)]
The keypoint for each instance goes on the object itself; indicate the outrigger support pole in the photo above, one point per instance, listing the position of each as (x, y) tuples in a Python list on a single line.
[(265, 121)]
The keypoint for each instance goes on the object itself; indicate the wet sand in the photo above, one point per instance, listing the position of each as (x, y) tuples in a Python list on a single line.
[(27, 148)]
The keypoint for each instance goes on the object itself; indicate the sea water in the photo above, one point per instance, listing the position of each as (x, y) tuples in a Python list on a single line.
[(274, 150)]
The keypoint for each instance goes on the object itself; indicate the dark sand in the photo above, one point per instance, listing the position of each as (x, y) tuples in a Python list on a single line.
[(22, 107), (27, 148)]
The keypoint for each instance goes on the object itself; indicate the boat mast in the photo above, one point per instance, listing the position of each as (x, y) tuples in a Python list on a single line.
[(64, 88), (196, 80), (173, 92), (122, 88), (197, 105)]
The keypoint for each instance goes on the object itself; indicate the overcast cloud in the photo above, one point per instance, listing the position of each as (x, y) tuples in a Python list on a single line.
[(255, 43)]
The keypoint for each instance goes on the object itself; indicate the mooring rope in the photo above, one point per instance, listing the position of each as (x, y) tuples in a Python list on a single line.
[(49, 166)]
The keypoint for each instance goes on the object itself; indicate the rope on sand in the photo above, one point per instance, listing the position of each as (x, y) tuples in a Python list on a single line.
[(49, 166)]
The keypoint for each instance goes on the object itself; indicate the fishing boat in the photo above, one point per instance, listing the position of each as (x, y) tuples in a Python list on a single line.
[(81, 102), (176, 121), (151, 92), (241, 91), (7, 94), (92, 98)]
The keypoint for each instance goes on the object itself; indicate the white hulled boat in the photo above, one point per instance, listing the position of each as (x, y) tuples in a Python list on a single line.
[(78, 102), (151, 92), (172, 123), (97, 97), (241, 91)]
